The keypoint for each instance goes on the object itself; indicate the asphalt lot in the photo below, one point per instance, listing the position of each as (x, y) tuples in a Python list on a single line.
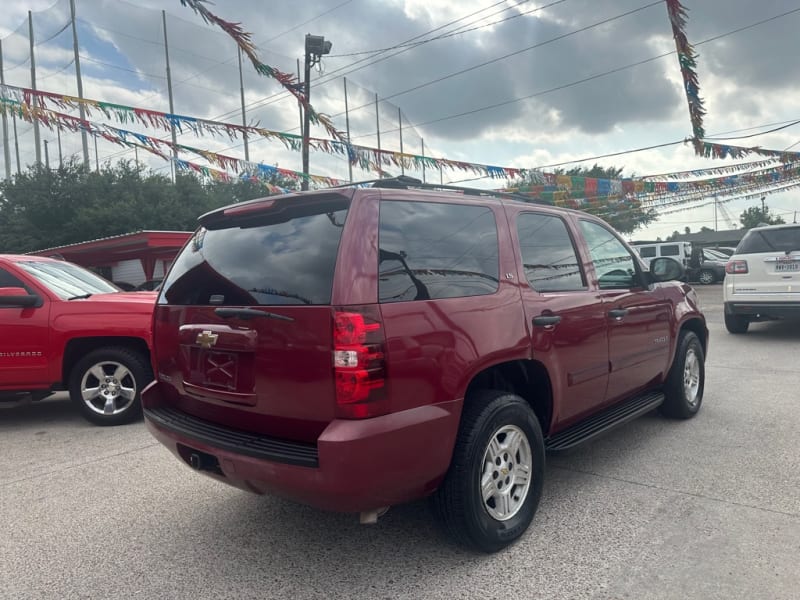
[(708, 508)]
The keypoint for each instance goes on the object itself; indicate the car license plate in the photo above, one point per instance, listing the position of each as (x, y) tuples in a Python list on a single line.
[(787, 266)]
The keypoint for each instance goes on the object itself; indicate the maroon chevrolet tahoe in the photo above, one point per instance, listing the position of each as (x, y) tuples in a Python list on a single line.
[(64, 327), (359, 347)]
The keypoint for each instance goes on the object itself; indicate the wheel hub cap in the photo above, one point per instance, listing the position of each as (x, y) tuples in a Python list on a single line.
[(506, 474), (691, 377)]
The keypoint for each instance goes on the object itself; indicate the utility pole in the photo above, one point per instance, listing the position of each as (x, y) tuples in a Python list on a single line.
[(36, 139), (171, 107), (244, 114), (347, 123), (81, 107), (6, 148), (46, 156), (316, 46)]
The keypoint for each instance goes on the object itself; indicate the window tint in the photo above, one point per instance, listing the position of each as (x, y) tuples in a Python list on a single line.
[(548, 254), (770, 240), (612, 261), (671, 250), (647, 251), (284, 256), (432, 250), (9, 280)]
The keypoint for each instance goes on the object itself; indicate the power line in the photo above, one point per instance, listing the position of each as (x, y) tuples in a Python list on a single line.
[(403, 47), (458, 31), (596, 76)]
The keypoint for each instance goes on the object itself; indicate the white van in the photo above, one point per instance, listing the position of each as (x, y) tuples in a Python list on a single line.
[(680, 251)]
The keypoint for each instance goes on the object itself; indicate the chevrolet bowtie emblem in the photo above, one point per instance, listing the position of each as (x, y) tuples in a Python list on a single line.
[(206, 339)]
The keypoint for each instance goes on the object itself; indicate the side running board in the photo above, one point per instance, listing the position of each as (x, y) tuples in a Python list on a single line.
[(590, 428)]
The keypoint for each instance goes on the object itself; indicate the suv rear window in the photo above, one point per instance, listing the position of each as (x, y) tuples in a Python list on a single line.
[(672, 250), (432, 250), (286, 255), (770, 240)]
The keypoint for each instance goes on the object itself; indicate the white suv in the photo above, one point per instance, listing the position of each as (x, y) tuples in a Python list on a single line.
[(763, 277)]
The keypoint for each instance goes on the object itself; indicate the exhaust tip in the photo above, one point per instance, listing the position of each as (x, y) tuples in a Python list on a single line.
[(370, 517)]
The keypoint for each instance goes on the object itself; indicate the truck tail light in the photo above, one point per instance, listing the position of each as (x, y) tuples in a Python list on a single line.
[(359, 363), (736, 267)]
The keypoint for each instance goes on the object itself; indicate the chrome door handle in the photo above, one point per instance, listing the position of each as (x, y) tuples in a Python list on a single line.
[(546, 320)]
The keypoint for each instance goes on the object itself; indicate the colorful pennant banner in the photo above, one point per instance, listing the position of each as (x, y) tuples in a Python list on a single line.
[(289, 82), (122, 137), (365, 157), (687, 59), (725, 170), (712, 150)]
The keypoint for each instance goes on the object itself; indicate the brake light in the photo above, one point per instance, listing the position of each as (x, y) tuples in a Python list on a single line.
[(736, 267), (359, 364)]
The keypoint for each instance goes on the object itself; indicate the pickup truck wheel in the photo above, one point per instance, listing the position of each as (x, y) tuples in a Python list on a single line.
[(106, 385), (686, 379), (492, 488), (736, 323), (706, 277)]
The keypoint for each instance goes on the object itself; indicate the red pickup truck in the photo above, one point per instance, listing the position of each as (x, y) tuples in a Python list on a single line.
[(64, 327)]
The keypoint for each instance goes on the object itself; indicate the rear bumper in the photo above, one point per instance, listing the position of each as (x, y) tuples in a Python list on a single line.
[(356, 465), (763, 309)]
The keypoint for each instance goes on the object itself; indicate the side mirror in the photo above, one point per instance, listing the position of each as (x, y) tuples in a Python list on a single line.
[(666, 269), (17, 297)]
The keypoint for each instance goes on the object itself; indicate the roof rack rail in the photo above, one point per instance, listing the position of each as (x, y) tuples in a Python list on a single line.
[(406, 182)]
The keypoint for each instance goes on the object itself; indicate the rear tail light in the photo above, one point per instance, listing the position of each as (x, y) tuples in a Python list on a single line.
[(736, 267), (359, 363)]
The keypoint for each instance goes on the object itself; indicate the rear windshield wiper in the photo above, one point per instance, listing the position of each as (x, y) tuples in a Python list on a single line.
[(248, 313), (81, 297)]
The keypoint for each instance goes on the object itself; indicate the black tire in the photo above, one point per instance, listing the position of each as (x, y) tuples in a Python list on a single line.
[(706, 277), (736, 323), (459, 502), (686, 379), (128, 372)]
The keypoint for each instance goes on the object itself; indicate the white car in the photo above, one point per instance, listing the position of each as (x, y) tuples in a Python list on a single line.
[(763, 277)]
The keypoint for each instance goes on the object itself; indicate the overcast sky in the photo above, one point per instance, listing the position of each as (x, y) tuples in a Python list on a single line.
[(747, 79)]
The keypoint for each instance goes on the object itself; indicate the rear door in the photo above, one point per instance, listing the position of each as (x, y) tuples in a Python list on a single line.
[(243, 323)]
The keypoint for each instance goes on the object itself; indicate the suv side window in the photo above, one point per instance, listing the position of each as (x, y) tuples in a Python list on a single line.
[(671, 250), (647, 251), (432, 250), (615, 267), (548, 254)]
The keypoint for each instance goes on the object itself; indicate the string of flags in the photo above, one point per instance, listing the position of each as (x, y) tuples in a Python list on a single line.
[(365, 157), (122, 137), (687, 59), (288, 81)]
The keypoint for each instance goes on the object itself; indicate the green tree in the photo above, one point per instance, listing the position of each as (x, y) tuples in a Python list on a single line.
[(626, 216), (42, 208), (755, 216)]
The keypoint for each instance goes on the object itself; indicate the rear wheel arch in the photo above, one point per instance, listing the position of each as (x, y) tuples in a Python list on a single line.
[(77, 348), (527, 379)]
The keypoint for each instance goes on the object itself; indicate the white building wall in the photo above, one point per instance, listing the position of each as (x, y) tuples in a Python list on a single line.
[(129, 271)]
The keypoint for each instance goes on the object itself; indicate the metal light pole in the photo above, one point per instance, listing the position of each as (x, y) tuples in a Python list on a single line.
[(316, 47)]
